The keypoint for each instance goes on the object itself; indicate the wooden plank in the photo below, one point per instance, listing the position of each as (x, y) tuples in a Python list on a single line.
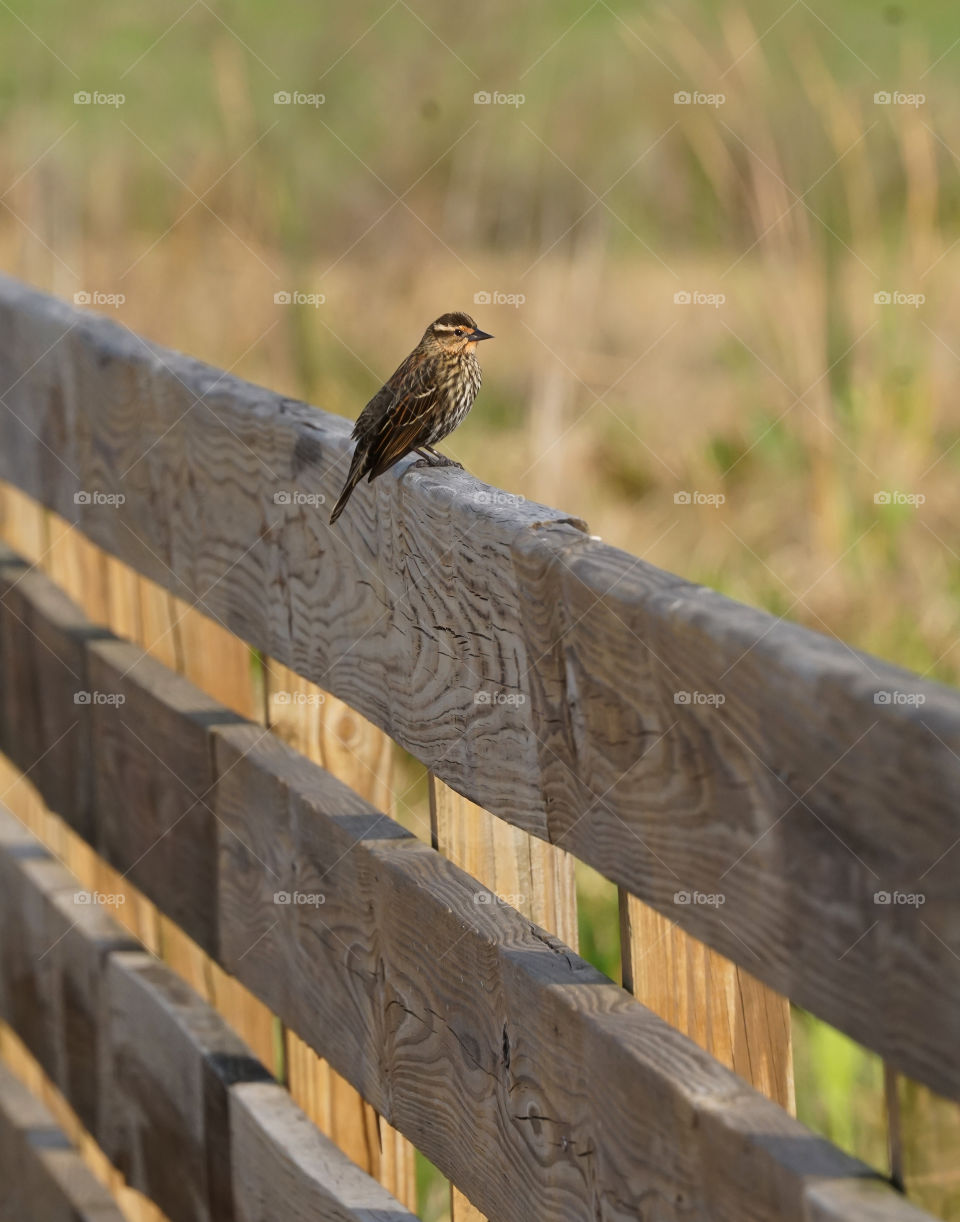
[(42, 1175), (930, 1138), (172, 632), (284, 1168), (483, 1039), (44, 696), (325, 730), (45, 654), (728, 1012), (134, 1206), (537, 1086), (511, 867), (55, 937), (220, 665), (23, 524), (170, 1065), (154, 778), (151, 1069), (799, 795)]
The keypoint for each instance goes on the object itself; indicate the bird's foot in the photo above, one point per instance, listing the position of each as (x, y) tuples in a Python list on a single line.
[(433, 458)]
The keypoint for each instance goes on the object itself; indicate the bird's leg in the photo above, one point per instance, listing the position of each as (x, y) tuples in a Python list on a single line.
[(439, 460)]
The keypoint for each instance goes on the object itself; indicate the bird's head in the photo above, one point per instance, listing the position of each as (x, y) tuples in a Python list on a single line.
[(454, 333)]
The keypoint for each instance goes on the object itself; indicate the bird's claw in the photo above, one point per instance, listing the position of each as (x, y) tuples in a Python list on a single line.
[(432, 458)]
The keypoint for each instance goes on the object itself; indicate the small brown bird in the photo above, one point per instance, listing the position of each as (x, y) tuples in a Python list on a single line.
[(423, 401)]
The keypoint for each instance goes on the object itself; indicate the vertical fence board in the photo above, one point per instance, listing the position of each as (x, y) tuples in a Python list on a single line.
[(219, 664), (511, 866), (177, 635), (930, 1137), (22, 523), (738, 1020), (333, 735), (133, 1205)]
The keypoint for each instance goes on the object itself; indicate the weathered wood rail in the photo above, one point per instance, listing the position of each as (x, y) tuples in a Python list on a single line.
[(42, 1173), (170, 1093), (536, 1085)]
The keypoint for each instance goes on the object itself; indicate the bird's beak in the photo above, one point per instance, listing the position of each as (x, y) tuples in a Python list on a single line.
[(478, 334)]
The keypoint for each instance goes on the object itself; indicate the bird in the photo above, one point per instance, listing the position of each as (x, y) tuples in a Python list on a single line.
[(423, 401)]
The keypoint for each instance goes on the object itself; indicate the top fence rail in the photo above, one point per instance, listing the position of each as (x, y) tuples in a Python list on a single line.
[(788, 800)]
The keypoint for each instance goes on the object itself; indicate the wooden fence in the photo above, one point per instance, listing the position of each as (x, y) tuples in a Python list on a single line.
[(770, 803)]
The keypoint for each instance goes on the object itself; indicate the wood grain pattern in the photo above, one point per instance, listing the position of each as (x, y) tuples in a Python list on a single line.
[(797, 797), (178, 636), (134, 1206), (515, 868), (23, 524), (54, 939), (170, 1062), (42, 1175), (328, 732), (154, 778), (719, 1005), (283, 1167), (43, 638), (536, 1085), (151, 1069)]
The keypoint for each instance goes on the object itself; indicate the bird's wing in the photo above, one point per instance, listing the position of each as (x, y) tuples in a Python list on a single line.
[(403, 425)]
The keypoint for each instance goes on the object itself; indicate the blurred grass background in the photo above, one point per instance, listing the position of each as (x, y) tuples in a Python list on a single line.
[(798, 398)]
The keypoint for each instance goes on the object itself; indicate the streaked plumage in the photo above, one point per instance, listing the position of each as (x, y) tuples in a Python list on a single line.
[(420, 404)]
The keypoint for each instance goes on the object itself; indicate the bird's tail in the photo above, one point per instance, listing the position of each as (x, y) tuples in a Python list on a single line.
[(353, 478)]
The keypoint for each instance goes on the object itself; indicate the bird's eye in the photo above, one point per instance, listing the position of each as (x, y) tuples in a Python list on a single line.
[(458, 331)]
